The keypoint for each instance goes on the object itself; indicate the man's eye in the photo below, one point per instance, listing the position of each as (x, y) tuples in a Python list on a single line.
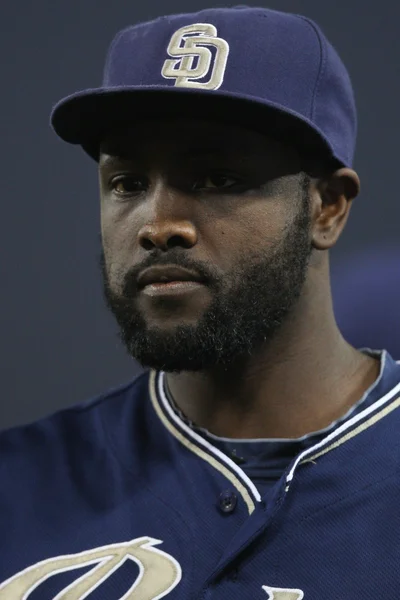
[(126, 184), (216, 181)]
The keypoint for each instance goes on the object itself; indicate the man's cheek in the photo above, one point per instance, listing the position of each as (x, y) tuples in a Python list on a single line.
[(114, 277)]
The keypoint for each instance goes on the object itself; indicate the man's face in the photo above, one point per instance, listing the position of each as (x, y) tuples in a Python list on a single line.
[(206, 240)]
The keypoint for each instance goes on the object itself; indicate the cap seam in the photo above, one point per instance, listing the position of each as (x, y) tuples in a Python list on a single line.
[(322, 65), (111, 48), (117, 38), (122, 32)]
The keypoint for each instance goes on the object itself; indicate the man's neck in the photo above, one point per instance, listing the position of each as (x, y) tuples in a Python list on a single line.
[(286, 391)]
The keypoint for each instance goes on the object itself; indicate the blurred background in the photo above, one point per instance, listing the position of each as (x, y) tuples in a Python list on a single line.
[(59, 345)]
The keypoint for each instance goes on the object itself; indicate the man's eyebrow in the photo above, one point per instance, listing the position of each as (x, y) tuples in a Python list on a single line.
[(111, 160)]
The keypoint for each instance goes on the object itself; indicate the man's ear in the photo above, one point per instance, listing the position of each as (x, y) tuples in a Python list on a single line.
[(332, 197)]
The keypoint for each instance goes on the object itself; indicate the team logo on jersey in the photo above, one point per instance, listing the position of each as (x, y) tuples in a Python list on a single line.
[(283, 594), (159, 573), (192, 59)]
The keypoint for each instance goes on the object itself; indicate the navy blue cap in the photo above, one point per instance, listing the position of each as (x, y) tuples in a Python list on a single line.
[(268, 70)]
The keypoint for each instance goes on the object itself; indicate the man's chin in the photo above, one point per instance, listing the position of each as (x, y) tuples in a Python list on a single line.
[(170, 361), (169, 348)]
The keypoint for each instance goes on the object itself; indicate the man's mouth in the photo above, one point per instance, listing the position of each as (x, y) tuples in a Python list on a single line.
[(168, 280)]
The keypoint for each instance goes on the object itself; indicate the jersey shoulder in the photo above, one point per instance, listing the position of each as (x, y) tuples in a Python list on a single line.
[(73, 432)]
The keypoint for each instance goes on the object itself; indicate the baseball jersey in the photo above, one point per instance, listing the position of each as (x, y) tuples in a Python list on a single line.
[(119, 498)]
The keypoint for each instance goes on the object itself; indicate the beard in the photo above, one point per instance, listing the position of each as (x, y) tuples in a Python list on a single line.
[(248, 308)]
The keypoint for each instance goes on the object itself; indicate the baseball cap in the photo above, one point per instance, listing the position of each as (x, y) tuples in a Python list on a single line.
[(271, 71)]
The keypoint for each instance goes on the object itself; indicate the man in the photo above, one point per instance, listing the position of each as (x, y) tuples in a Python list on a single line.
[(258, 455)]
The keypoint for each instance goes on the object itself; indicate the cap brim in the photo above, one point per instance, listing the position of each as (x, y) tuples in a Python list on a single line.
[(87, 117)]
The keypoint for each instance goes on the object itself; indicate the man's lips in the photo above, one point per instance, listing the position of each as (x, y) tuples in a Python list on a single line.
[(168, 276), (171, 288)]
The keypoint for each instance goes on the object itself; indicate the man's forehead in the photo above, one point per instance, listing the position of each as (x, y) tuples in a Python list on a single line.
[(198, 137)]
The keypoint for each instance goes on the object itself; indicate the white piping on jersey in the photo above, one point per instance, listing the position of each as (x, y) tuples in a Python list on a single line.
[(364, 425), (335, 434), (324, 445), (223, 457), (224, 464)]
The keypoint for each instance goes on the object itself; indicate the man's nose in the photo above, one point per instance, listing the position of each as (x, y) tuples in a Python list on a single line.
[(167, 225)]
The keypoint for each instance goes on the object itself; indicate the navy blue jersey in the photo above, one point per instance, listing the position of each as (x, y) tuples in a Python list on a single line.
[(119, 498)]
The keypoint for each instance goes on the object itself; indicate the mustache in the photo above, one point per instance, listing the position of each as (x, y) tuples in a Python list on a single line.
[(208, 275)]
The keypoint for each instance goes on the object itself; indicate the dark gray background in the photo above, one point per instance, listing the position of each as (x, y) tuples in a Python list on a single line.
[(58, 343)]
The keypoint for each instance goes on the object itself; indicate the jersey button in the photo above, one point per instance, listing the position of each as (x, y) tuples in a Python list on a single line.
[(227, 502)]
